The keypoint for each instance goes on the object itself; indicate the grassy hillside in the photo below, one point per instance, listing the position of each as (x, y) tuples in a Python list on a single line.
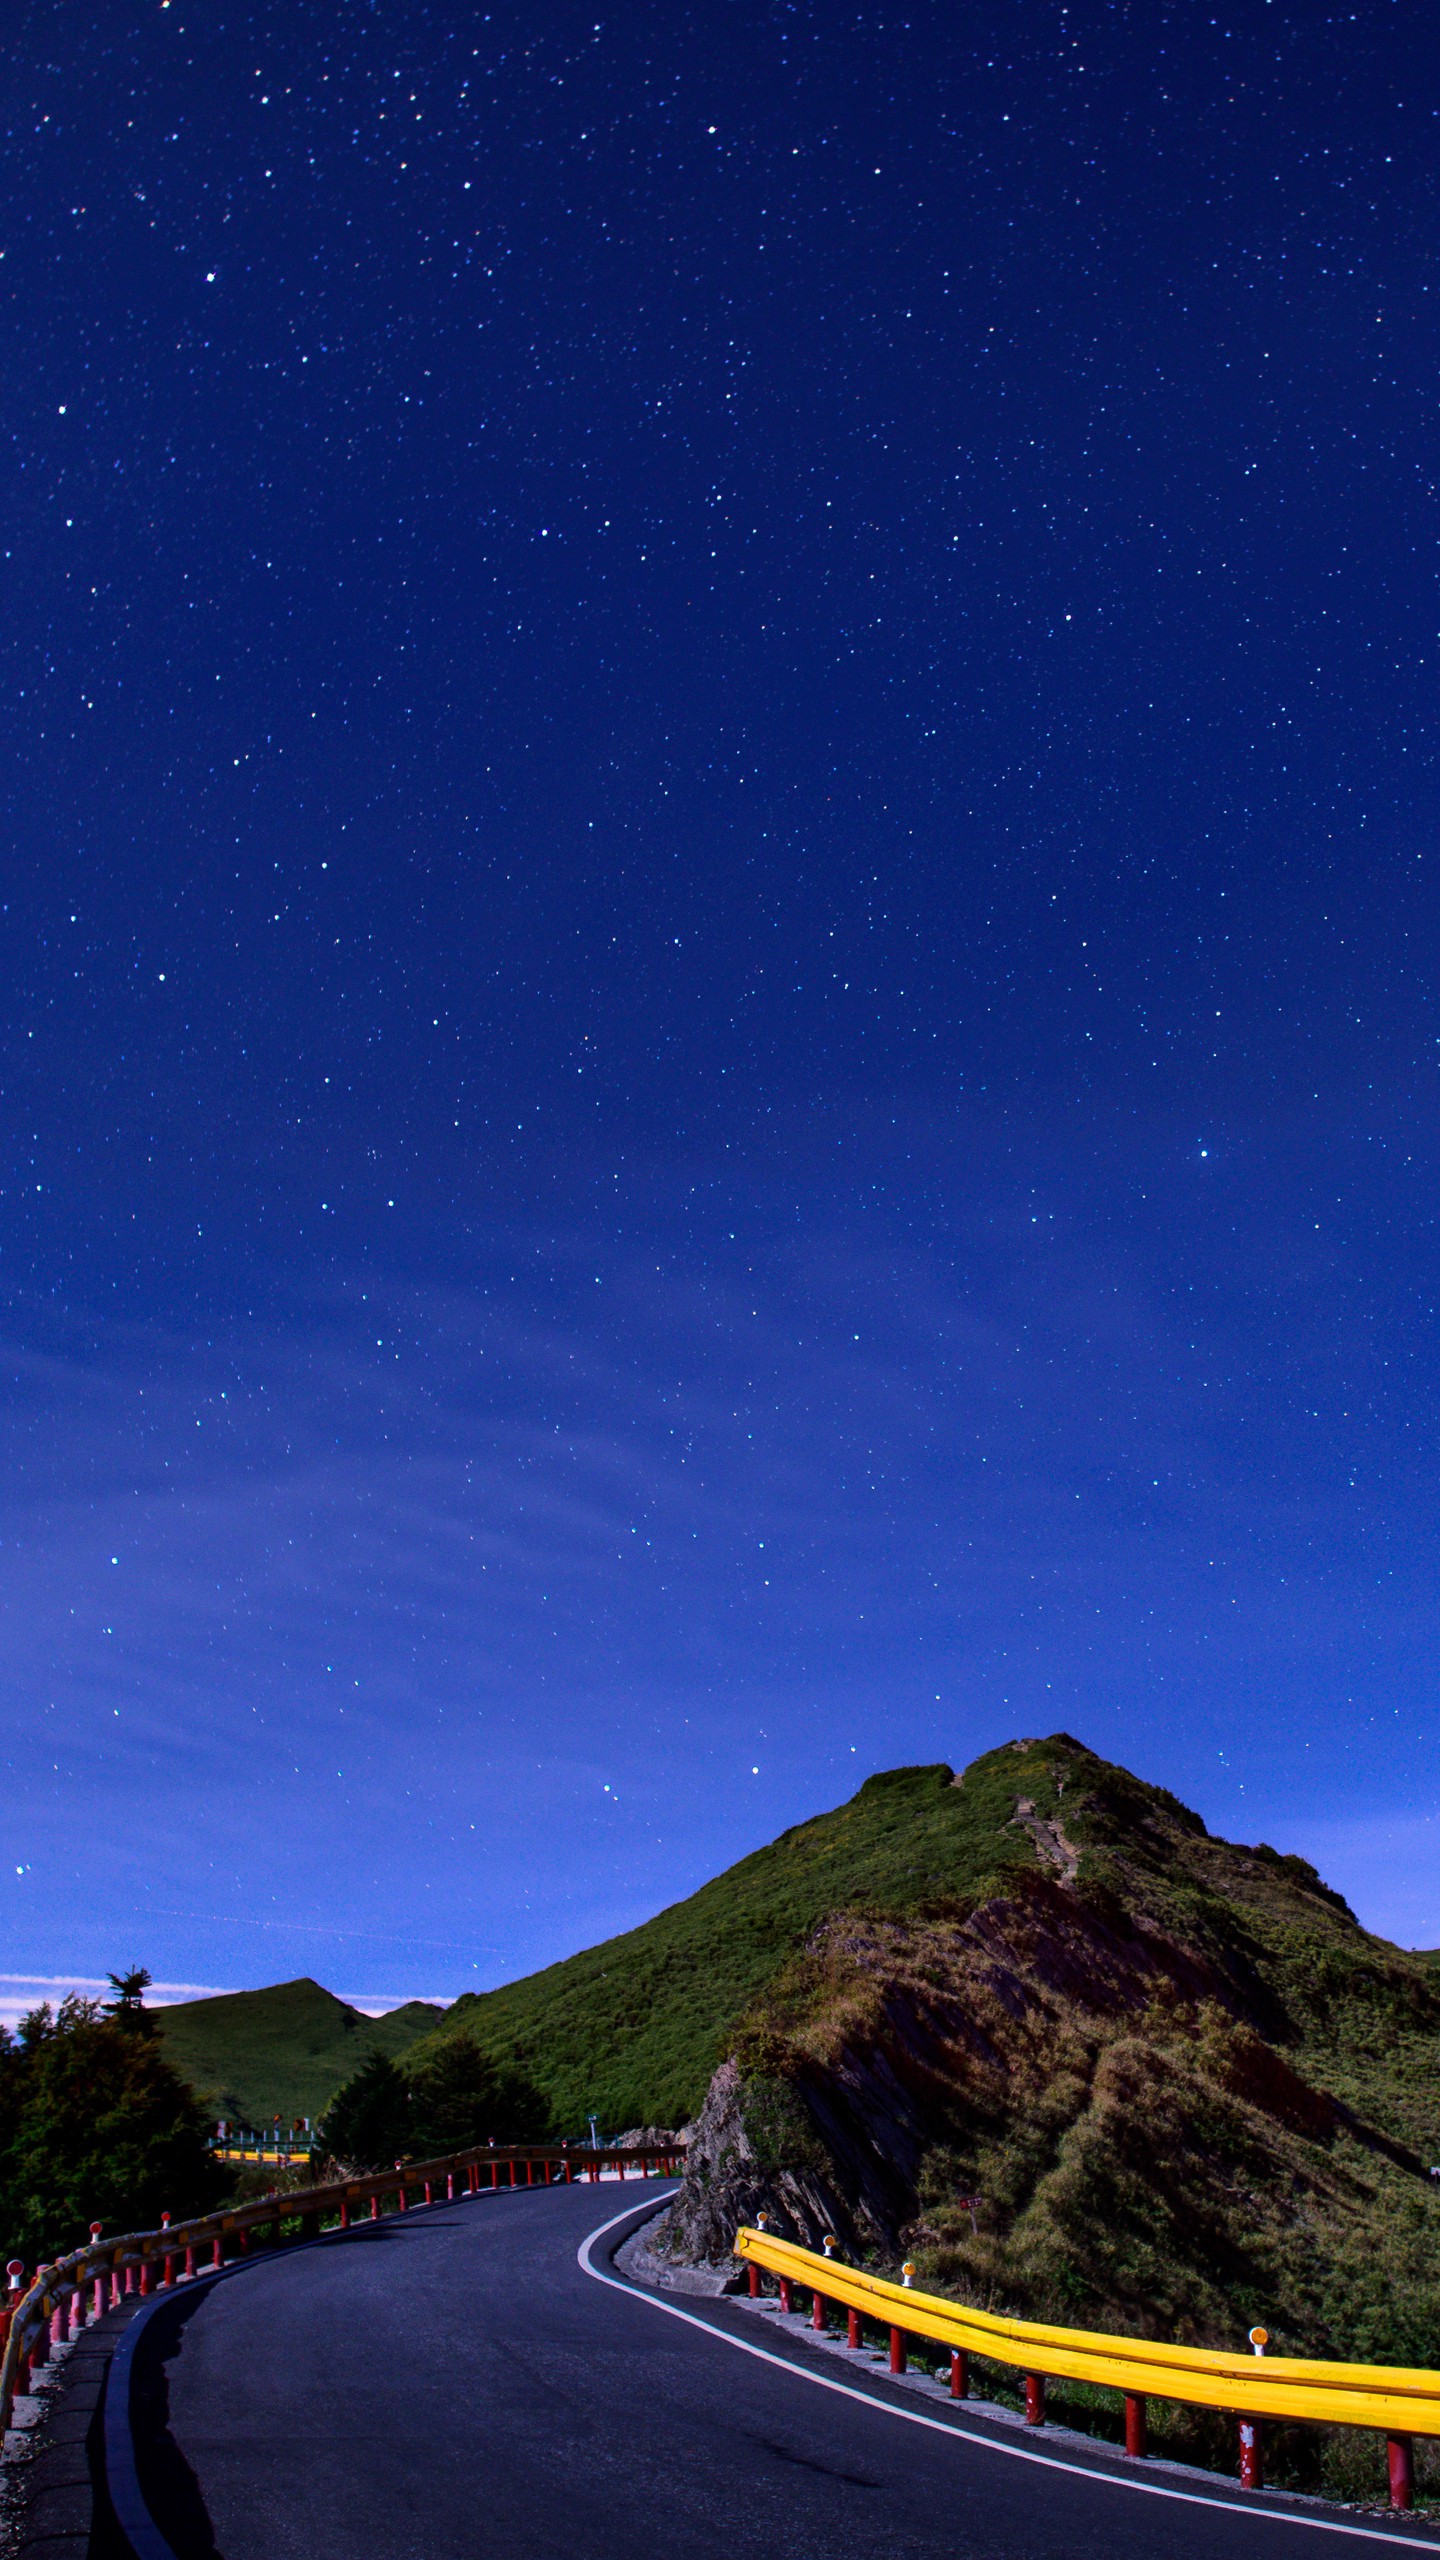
[(635, 2027), (1182, 2085), (283, 2051)]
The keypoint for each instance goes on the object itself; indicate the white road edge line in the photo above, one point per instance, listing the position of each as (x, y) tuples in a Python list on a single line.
[(988, 2444)]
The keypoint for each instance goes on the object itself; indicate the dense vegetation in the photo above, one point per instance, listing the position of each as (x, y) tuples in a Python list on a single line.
[(95, 2126), (256, 2055), (445, 2097)]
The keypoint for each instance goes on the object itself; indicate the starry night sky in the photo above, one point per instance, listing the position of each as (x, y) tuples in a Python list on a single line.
[(720, 893)]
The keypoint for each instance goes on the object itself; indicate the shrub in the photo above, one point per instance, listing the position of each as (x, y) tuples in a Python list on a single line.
[(96, 2127)]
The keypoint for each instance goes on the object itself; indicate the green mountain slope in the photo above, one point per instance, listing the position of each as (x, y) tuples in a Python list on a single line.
[(635, 2027), (281, 2052), (1142, 2078), (1189, 2090)]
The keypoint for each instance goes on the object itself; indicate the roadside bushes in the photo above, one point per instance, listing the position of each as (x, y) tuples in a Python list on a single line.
[(448, 2095), (95, 2126), (461, 2096)]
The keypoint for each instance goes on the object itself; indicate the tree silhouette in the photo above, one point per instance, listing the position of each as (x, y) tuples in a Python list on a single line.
[(370, 2122), (460, 2096), (128, 2006), (95, 2126)]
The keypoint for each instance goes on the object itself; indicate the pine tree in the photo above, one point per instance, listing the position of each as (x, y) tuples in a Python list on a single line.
[(461, 2096), (370, 2124)]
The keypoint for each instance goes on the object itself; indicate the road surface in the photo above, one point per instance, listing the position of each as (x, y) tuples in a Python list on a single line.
[(457, 2383)]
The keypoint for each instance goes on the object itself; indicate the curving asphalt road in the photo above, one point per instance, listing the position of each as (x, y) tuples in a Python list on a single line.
[(474, 2380)]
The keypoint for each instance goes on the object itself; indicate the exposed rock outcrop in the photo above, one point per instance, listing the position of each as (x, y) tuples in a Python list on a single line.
[(1057, 2105)]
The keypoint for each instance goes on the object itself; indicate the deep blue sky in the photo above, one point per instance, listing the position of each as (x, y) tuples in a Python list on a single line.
[(720, 1033)]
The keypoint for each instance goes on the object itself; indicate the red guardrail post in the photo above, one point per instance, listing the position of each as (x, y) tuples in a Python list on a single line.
[(1400, 2451), (40, 2343), (1136, 2424), (1252, 2456), (217, 2250), (754, 2274), (852, 2329), (375, 2206), (786, 2303), (1034, 2399), (959, 2374), (820, 2308), (897, 2336)]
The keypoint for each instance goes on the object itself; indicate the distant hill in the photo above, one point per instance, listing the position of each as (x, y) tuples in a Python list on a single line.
[(284, 2051)]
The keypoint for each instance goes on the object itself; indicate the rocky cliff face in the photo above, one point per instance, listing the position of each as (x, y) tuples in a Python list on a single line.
[(1156, 2082)]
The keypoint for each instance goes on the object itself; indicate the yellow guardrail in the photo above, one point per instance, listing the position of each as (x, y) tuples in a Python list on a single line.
[(285, 2156), (1398, 2401)]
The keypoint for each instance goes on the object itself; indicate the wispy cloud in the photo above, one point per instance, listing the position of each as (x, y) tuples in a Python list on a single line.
[(22, 1992), (473, 1621)]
